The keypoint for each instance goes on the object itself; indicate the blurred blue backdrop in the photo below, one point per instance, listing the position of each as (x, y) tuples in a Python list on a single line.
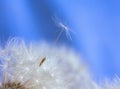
[(96, 24)]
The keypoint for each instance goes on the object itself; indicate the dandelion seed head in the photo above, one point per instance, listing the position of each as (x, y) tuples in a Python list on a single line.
[(61, 69)]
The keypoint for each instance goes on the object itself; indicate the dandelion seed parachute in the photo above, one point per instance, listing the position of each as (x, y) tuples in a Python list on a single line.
[(62, 69), (63, 28)]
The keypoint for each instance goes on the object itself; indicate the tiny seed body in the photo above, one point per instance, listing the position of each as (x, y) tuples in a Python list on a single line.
[(42, 61)]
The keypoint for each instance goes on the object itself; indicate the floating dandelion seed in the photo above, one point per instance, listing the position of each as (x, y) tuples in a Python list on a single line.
[(63, 27)]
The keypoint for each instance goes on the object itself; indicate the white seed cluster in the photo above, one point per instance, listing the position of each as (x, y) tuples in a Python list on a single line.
[(42, 66)]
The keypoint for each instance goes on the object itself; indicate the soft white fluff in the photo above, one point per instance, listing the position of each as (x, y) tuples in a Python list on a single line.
[(62, 68)]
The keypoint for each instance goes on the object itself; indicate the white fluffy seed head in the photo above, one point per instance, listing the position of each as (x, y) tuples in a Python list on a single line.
[(61, 69), (42, 66)]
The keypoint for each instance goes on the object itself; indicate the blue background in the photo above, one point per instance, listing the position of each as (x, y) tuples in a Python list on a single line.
[(96, 24)]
